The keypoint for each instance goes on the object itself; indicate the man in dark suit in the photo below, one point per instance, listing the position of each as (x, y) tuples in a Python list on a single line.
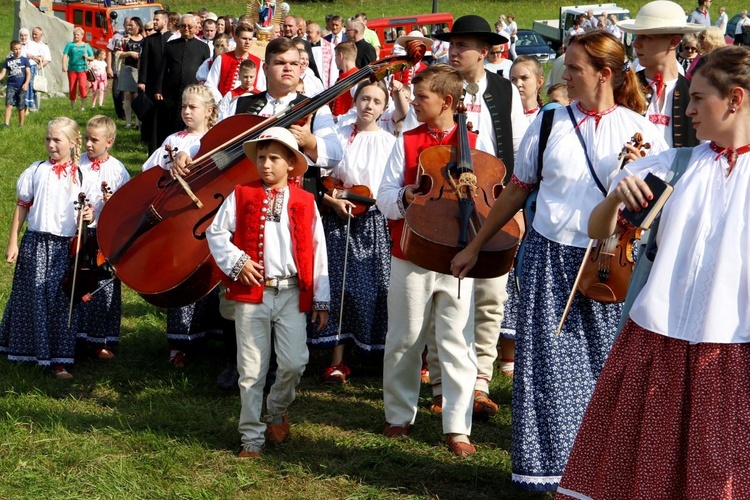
[(148, 72), (181, 60), (337, 34), (355, 32), (290, 31)]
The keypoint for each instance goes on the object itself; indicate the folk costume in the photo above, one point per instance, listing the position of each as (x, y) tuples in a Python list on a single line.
[(35, 322), (668, 102), (417, 297), (99, 320), (224, 74), (365, 318), (280, 228), (555, 374), (192, 323), (669, 414)]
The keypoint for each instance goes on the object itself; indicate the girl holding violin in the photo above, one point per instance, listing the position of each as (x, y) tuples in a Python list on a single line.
[(99, 319), (555, 374), (365, 310), (190, 323), (35, 323), (668, 417)]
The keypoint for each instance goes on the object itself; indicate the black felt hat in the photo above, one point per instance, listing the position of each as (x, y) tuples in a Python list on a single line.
[(475, 26)]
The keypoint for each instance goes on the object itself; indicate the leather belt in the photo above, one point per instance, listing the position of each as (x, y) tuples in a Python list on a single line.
[(281, 282)]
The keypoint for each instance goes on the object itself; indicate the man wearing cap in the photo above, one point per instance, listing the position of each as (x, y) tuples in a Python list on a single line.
[(317, 138), (701, 15), (659, 27), (495, 110)]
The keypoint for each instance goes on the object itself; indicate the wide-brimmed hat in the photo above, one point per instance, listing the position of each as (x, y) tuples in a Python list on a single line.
[(212, 16), (661, 17), (399, 49), (475, 26), (283, 136)]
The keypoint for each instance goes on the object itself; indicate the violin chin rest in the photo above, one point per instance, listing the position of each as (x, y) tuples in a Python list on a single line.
[(601, 293)]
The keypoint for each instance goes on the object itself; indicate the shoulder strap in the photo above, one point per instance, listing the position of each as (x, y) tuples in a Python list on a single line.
[(585, 151), (547, 118)]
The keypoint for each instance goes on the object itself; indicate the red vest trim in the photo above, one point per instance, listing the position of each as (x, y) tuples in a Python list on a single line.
[(230, 71), (344, 102), (301, 208), (416, 141)]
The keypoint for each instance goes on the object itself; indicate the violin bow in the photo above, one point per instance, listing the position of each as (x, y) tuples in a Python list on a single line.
[(343, 279), (575, 288), (81, 202)]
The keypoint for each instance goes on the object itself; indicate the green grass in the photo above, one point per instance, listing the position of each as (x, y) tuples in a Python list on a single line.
[(135, 428)]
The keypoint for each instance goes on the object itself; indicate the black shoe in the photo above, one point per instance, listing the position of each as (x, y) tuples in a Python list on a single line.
[(229, 378)]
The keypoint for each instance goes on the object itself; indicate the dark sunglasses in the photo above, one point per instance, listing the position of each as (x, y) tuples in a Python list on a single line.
[(496, 52), (691, 49)]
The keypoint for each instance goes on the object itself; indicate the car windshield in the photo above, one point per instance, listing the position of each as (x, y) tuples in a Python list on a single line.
[(530, 38)]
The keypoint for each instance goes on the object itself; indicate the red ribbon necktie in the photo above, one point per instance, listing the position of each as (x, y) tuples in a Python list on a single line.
[(730, 154), (596, 114), (658, 84)]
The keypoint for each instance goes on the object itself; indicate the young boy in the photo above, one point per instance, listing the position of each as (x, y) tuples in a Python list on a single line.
[(268, 239), (99, 319), (248, 70), (19, 76), (416, 296), (346, 55)]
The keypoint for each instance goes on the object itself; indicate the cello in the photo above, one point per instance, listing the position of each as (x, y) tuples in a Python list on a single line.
[(153, 230), (455, 201)]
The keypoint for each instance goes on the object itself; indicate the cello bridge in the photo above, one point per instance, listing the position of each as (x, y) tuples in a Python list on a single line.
[(467, 179)]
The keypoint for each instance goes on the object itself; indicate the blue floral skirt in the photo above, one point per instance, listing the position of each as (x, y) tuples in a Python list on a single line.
[(365, 319), (190, 324), (554, 374), (35, 322)]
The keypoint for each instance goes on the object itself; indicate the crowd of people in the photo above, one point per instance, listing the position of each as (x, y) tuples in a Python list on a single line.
[(651, 391)]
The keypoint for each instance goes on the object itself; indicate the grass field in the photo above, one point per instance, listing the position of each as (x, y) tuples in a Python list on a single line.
[(135, 428)]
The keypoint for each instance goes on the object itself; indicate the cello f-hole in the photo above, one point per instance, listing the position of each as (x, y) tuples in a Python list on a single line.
[(200, 234)]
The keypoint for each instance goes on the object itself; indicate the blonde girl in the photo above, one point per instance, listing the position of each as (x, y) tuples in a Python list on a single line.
[(99, 67), (35, 323), (186, 325), (527, 75), (365, 319)]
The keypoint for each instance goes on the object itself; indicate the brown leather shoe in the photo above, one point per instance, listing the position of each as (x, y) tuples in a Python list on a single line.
[(460, 449), (483, 405), (249, 454), (437, 404), (278, 433), (396, 431)]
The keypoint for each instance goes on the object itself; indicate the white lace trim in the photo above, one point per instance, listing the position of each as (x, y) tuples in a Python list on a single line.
[(573, 494), (536, 479)]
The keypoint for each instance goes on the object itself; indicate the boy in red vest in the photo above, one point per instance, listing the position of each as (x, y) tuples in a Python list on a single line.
[(416, 296), (268, 239), (346, 55), (225, 70), (248, 70)]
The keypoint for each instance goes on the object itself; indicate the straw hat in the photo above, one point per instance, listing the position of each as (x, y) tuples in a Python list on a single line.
[(475, 26), (660, 18), (282, 136), (212, 16), (399, 49)]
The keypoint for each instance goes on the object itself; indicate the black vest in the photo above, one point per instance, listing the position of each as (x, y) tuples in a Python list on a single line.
[(683, 133), (499, 100), (253, 104)]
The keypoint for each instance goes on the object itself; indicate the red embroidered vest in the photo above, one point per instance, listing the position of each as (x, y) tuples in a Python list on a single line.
[(230, 71), (344, 102), (416, 141), (248, 237)]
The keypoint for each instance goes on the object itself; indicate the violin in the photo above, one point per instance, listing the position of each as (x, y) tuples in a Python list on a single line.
[(607, 269), (153, 229), (359, 195), (454, 200)]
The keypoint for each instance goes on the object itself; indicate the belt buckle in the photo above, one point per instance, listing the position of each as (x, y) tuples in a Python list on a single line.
[(272, 282)]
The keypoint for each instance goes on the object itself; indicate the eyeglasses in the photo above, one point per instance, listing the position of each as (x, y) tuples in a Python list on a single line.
[(691, 49), (496, 52), (186, 26)]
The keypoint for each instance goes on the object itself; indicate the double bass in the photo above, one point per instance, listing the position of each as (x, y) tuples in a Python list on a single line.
[(153, 229), (455, 200)]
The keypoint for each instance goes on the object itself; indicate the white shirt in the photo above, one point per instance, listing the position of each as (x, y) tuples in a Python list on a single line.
[(225, 105), (51, 197), (111, 171), (313, 85), (568, 193), (364, 156), (740, 24), (329, 148), (661, 116), (278, 260), (699, 286), (214, 76), (504, 65), (722, 21), (31, 48), (179, 142)]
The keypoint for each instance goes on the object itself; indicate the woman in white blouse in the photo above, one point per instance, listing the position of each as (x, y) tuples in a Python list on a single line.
[(555, 374), (669, 416)]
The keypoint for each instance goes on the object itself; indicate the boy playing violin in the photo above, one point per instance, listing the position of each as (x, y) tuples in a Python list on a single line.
[(416, 296), (268, 239)]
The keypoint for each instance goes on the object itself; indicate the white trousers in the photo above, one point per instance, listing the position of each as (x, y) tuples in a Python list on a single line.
[(254, 322), (416, 297), (489, 305)]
